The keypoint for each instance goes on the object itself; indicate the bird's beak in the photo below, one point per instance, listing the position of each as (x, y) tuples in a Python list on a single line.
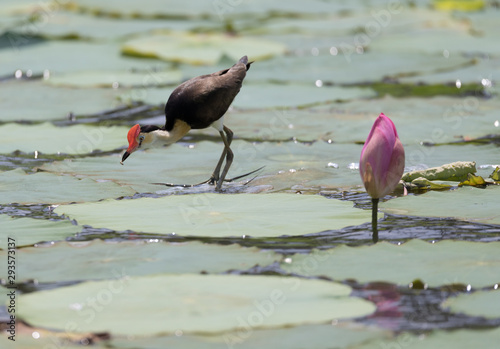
[(124, 157)]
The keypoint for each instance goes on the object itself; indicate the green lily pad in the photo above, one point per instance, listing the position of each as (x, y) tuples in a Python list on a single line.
[(63, 25), (51, 103), (484, 68), (351, 68), (217, 215), (115, 79), (98, 260), (28, 231), (18, 187), (457, 339), (437, 264), (275, 96), (307, 336), (440, 119), (286, 164), (480, 303), (218, 10), (67, 56), (201, 48), (190, 303), (467, 203), (448, 42), (50, 139), (266, 96)]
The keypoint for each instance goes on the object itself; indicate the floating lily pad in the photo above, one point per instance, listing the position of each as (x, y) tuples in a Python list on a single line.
[(350, 68), (50, 139), (264, 96), (28, 231), (106, 260), (437, 264), (201, 48), (457, 339), (307, 336), (286, 164), (218, 215), (467, 203), (62, 25), (484, 70), (440, 119), (67, 56), (219, 10), (115, 79), (481, 303), (191, 303), (51, 103), (429, 40), (18, 187)]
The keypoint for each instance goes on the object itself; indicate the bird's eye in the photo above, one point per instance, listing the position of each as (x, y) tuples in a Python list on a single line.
[(141, 138)]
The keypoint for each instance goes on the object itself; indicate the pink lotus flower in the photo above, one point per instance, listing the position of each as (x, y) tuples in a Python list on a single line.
[(382, 159)]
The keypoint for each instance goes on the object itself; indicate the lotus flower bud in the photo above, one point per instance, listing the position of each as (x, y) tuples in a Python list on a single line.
[(382, 158)]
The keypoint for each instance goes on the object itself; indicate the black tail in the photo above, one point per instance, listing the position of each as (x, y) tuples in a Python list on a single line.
[(244, 60)]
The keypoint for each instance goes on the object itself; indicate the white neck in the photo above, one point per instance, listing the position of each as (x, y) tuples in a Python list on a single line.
[(160, 138)]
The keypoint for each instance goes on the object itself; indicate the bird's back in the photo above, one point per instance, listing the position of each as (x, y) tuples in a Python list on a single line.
[(202, 100)]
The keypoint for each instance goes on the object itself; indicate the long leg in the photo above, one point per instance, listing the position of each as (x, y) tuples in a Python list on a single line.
[(229, 137), (229, 156)]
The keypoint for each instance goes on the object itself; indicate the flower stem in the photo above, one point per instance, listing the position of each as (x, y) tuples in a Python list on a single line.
[(374, 220)]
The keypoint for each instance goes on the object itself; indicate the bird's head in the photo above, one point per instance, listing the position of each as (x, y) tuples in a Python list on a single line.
[(136, 140)]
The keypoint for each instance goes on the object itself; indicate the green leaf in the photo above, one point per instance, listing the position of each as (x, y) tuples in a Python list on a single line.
[(458, 5), (106, 78), (98, 260), (466, 203), (218, 215), (437, 264), (201, 48), (457, 339), (481, 303), (51, 103), (345, 335), (473, 181), (456, 171), (28, 231), (495, 175), (66, 56), (18, 187), (190, 303), (49, 139)]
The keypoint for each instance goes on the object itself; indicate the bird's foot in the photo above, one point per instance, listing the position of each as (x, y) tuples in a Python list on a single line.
[(213, 181)]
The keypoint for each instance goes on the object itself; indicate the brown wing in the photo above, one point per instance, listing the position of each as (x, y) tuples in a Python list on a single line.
[(205, 99)]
